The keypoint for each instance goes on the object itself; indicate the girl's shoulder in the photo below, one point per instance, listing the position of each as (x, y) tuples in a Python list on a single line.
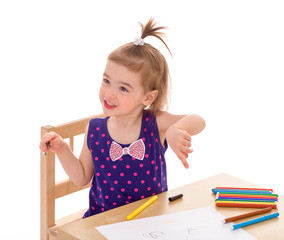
[(97, 123), (148, 116), (100, 120)]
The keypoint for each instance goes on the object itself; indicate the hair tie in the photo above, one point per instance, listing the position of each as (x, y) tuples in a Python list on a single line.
[(138, 41)]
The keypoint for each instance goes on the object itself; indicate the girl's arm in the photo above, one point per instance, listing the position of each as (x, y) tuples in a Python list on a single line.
[(178, 129), (80, 170)]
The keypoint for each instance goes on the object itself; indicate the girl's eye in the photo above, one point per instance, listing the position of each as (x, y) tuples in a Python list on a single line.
[(123, 89), (106, 81)]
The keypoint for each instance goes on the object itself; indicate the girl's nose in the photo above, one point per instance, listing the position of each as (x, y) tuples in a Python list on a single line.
[(110, 94)]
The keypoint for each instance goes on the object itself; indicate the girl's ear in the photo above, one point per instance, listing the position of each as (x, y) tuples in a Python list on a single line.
[(150, 97)]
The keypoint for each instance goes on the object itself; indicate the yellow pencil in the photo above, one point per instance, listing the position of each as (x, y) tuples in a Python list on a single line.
[(142, 207), (246, 202)]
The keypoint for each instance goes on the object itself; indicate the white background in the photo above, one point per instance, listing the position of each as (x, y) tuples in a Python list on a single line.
[(227, 66)]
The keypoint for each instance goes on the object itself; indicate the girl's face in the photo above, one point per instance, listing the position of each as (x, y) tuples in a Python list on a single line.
[(121, 92)]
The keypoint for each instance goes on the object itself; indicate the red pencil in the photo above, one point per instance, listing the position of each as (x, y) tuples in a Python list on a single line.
[(246, 205)]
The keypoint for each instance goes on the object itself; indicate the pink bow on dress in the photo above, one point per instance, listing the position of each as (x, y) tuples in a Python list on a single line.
[(136, 150)]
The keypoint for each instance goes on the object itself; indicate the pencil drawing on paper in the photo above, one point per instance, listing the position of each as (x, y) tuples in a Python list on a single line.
[(191, 231), (156, 235), (153, 235), (201, 223)]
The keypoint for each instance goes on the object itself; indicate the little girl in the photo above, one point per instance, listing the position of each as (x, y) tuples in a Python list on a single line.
[(124, 153)]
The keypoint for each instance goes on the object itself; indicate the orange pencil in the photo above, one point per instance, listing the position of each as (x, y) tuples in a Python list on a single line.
[(245, 215)]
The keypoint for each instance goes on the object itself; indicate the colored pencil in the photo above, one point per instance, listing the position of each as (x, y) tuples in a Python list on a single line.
[(232, 191), (248, 198), (251, 200), (256, 220), (241, 193), (142, 207), (246, 205), (236, 195), (245, 200), (266, 189), (245, 215), (247, 194)]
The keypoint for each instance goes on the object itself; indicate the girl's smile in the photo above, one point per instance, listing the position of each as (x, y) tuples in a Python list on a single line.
[(108, 105)]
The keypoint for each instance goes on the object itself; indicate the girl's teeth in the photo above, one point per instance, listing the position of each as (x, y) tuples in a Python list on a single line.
[(108, 103)]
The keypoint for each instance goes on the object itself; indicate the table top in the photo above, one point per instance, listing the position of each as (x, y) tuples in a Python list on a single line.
[(195, 195)]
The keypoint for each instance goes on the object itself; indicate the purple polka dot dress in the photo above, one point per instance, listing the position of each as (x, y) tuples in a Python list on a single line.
[(125, 173)]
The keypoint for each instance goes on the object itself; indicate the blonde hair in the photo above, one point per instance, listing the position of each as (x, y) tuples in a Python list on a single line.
[(149, 62)]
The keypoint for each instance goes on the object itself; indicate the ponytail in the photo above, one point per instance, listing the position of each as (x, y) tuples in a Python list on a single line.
[(150, 30)]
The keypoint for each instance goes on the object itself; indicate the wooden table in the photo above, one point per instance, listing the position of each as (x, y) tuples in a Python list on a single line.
[(195, 195)]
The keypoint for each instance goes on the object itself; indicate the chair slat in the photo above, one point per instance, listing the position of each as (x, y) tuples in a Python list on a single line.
[(66, 187)]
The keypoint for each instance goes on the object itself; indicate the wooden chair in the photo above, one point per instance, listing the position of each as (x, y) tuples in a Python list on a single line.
[(51, 190)]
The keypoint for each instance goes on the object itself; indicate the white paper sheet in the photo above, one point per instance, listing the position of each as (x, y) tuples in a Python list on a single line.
[(197, 224)]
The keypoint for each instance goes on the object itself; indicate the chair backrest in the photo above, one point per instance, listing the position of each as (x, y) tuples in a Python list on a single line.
[(51, 190)]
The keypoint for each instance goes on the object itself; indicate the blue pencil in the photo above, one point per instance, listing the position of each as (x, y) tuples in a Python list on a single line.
[(256, 220)]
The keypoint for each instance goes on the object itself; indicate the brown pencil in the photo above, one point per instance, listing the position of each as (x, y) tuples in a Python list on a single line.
[(249, 214)]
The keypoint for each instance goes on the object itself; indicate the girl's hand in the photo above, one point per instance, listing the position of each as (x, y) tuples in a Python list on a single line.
[(180, 142), (56, 142)]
